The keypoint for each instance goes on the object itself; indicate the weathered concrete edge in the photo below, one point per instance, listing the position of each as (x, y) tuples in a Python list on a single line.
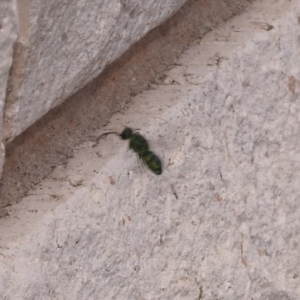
[(44, 73), (8, 35), (49, 142)]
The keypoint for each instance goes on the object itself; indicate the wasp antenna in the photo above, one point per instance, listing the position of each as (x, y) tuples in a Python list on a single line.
[(105, 134)]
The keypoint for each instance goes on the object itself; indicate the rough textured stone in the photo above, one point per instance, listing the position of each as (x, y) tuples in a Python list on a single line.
[(8, 30), (221, 222), (62, 46), (51, 140)]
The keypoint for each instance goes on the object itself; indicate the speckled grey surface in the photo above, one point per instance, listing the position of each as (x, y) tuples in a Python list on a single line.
[(228, 134)]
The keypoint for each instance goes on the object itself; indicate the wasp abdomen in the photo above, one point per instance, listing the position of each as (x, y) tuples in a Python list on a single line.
[(153, 162)]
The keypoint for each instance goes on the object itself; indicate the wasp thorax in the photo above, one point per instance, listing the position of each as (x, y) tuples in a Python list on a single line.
[(138, 144)]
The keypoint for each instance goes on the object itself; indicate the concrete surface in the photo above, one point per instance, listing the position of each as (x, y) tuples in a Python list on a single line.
[(32, 155), (8, 35), (221, 222), (61, 47)]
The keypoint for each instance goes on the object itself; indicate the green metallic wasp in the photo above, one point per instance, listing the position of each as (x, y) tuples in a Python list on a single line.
[(140, 146)]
